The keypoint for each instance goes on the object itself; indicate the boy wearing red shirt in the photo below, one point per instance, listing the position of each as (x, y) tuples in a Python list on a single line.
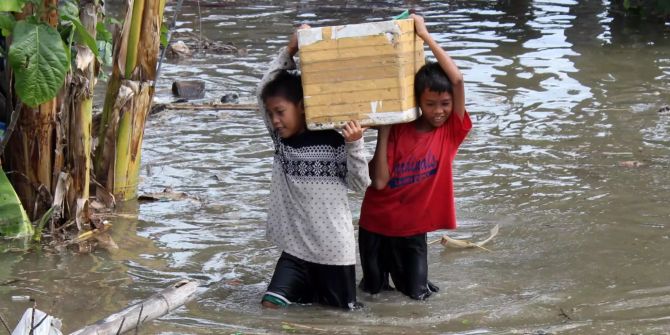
[(412, 187)]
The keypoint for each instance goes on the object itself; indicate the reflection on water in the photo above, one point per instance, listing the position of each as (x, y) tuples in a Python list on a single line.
[(560, 93)]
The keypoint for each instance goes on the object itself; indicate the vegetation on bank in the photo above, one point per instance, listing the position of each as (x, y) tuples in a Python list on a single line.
[(54, 51)]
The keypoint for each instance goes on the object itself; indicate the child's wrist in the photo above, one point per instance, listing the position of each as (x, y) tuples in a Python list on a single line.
[(351, 140)]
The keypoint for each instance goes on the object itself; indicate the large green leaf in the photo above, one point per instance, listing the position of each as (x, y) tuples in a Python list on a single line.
[(14, 222), (39, 60), (11, 5)]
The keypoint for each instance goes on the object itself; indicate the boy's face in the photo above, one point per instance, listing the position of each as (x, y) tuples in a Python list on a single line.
[(287, 118), (435, 107)]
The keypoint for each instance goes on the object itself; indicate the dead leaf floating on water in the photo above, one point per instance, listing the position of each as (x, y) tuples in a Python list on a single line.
[(105, 226), (465, 244)]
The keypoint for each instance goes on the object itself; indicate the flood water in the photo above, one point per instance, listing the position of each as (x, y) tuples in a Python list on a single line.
[(560, 93)]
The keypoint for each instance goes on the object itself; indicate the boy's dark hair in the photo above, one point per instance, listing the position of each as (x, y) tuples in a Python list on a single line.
[(432, 77), (286, 85)]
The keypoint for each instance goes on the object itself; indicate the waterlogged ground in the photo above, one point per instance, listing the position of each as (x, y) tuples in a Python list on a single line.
[(563, 95)]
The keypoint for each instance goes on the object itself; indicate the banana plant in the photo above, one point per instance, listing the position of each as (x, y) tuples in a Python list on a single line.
[(52, 55), (128, 100), (14, 222)]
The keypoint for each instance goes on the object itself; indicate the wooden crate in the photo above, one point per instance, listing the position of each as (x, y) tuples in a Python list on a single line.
[(361, 72)]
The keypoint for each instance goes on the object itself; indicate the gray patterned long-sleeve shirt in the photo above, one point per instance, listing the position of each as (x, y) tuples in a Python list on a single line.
[(308, 213)]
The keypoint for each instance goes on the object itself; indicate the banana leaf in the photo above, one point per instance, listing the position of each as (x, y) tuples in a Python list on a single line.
[(14, 222)]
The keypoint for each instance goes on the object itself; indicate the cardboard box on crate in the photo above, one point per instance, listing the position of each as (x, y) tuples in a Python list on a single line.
[(361, 72)]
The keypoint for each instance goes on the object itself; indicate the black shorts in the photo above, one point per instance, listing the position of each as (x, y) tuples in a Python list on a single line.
[(302, 282), (404, 258)]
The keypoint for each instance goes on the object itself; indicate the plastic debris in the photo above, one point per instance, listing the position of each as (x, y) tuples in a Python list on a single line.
[(36, 322), (20, 298)]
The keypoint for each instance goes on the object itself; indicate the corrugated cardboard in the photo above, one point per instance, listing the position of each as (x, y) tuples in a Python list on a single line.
[(361, 72)]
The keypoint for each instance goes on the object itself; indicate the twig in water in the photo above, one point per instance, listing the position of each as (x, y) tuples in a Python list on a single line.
[(10, 281), (39, 323), (169, 39), (139, 319), (32, 319), (118, 332)]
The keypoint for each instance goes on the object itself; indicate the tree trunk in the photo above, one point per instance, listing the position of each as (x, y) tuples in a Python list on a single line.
[(128, 100), (30, 151), (80, 105)]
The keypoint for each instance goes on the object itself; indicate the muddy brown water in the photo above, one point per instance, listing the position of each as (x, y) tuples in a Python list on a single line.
[(560, 92)]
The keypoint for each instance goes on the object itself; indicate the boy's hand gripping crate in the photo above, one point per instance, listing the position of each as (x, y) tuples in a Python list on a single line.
[(361, 72)]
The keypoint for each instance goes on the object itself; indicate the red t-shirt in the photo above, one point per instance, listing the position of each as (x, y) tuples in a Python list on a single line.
[(419, 196)]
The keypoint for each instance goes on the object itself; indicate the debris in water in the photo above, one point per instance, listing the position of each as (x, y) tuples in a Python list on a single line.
[(230, 98), (631, 164), (463, 244), (178, 50), (234, 282), (35, 321), (189, 89), (104, 227), (167, 195), (197, 42), (291, 326), (86, 242), (564, 314), (20, 298), (208, 106)]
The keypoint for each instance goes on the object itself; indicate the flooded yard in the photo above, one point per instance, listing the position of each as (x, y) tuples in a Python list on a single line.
[(569, 154)]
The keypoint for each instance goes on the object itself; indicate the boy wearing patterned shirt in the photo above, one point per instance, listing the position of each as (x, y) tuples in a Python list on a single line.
[(308, 216), (412, 188)]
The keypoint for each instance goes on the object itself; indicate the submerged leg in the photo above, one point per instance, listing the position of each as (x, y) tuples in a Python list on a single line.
[(290, 283), (371, 249), (409, 269)]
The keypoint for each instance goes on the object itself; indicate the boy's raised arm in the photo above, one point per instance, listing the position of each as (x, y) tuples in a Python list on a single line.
[(379, 166), (284, 60), (446, 63)]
